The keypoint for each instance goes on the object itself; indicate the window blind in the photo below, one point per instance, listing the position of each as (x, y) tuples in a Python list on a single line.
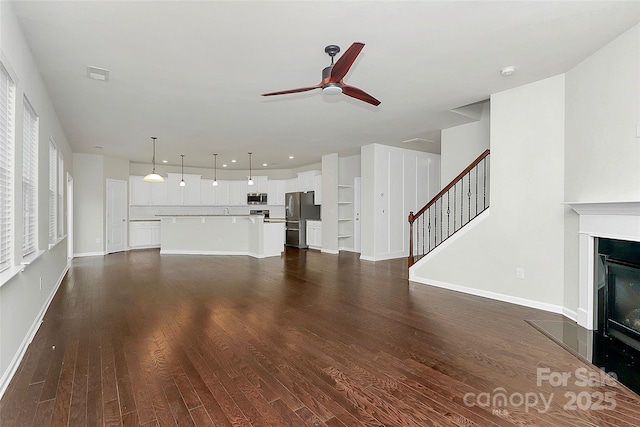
[(7, 117), (29, 180), (53, 178)]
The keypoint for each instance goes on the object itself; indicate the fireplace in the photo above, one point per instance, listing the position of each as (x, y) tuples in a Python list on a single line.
[(619, 298)]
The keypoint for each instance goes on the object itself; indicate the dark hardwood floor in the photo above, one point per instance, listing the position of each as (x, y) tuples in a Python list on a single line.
[(308, 339)]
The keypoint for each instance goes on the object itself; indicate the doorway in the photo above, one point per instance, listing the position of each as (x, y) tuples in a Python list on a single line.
[(116, 215)]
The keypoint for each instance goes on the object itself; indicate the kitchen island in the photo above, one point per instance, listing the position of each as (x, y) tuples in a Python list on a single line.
[(221, 235)]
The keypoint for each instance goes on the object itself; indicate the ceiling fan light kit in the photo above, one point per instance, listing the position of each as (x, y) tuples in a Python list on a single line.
[(332, 83)]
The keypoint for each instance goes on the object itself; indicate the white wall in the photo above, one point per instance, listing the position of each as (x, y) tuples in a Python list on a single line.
[(602, 150), (329, 211), (525, 228), (395, 181), (22, 299), (461, 145), (88, 204)]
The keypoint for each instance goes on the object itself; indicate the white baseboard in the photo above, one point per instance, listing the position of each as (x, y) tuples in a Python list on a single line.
[(367, 258), (329, 251), (496, 296), (83, 254), (17, 358)]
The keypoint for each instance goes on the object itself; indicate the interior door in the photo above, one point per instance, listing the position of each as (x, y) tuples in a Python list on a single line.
[(116, 215)]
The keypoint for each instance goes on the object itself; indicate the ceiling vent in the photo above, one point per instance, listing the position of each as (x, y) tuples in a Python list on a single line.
[(96, 73)]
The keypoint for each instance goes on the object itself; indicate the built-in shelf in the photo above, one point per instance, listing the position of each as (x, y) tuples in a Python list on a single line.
[(344, 236), (345, 186), (345, 219), (345, 203)]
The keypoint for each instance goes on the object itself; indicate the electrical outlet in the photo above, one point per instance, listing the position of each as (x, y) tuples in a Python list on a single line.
[(519, 273), (98, 240)]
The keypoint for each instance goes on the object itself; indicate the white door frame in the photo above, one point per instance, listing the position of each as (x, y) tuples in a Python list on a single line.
[(69, 216), (110, 248)]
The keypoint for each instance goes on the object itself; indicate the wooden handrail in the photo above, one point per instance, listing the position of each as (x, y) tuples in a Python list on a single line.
[(412, 216)]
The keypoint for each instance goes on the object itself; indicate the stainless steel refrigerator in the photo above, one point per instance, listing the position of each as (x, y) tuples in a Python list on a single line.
[(299, 208)]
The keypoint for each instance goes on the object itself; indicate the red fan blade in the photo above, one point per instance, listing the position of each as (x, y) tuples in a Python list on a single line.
[(302, 89), (342, 65), (356, 93)]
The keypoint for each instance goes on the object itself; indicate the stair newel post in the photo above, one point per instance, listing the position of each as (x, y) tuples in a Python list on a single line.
[(411, 219)]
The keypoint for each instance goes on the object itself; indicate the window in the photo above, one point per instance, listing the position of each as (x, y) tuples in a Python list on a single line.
[(29, 180), (53, 191), (60, 212), (7, 117)]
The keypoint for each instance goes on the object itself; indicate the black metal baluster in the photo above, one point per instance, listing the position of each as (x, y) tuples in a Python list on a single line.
[(429, 213), (469, 197), (476, 168), (454, 206), (448, 216), (484, 186)]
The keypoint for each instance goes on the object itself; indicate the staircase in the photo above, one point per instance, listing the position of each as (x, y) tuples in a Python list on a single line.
[(463, 199)]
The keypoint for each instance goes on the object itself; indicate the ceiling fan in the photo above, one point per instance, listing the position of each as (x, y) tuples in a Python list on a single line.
[(333, 74)]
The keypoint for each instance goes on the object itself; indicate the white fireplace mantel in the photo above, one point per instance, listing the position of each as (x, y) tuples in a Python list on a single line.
[(613, 220)]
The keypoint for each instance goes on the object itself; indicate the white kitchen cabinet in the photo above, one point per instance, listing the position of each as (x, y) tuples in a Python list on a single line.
[(144, 234), (291, 185), (314, 234), (206, 192), (317, 190), (238, 193), (275, 192), (260, 185), (187, 195), (139, 191), (147, 193), (306, 180), (158, 193), (221, 193)]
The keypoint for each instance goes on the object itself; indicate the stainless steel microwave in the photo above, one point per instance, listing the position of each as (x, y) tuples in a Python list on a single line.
[(256, 198)]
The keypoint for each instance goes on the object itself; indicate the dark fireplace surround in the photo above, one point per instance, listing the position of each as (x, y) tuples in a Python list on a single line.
[(618, 290)]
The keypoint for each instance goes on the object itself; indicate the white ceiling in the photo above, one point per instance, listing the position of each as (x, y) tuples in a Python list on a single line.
[(191, 73)]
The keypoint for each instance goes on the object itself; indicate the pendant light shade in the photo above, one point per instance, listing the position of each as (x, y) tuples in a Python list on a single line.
[(215, 170), (153, 176), (182, 183), (250, 180)]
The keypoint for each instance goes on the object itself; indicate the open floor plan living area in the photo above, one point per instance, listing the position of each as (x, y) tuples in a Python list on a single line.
[(320, 213)]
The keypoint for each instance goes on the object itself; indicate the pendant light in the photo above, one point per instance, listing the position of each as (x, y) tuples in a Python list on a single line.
[(250, 180), (215, 170), (182, 183), (153, 176)]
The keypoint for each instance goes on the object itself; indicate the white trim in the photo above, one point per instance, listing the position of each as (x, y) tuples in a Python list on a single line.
[(83, 254), (329, 251), (15, 363), (190, 252), (367, 258), (496, 296), (32, 257)]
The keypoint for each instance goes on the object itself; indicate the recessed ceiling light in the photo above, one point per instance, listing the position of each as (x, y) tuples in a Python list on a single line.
[(165, 161), (507, 71), (224, 166), (264, 164), (291, 157), (233, 161), (96, 73)]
